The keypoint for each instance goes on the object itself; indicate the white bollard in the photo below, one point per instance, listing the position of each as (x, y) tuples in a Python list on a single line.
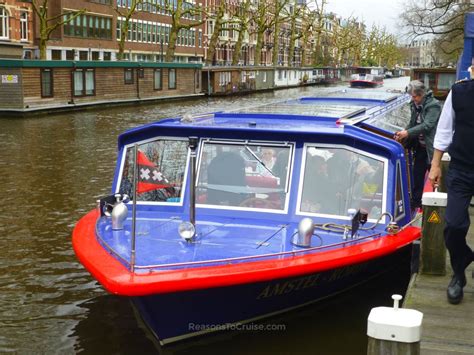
[(394, 330)]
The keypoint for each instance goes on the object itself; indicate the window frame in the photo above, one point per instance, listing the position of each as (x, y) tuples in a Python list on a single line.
[(184, 186), (307, 145), (24, 26), (161, 79), (84, 81), (292, 146), (47, 70), (5, 19), (175, 79), (398, 216), (129, 81)]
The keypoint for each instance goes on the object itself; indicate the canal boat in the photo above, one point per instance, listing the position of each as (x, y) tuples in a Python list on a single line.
[(438, 80), (219, 220), (367, 77)]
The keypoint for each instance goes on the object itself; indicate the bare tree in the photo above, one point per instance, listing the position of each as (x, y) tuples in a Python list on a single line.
[(179, 10), (318, 30), (243, 20), (48, 22), (223, 18), (348, 39), (442, 18), (265, 15), (281, 15), (126, 14)]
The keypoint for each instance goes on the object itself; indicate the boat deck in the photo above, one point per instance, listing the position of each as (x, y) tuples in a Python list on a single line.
[(447, 328), (217, 242)]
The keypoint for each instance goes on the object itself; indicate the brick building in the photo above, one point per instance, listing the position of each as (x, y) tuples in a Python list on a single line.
[(94, 35), (16, 33)]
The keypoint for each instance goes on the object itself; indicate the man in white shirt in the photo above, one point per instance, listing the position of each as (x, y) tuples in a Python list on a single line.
[(455, 134)]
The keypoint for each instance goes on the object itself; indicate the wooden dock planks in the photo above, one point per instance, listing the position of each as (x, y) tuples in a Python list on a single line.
[(447, 329)]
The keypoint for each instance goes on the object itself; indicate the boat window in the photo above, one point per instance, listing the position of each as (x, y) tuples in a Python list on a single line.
[(337, 179), (250, 175), (429, 79), (399, 202), (161, 168), (445, 81)]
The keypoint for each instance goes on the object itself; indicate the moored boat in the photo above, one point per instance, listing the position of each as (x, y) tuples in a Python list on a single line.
[(367, 77), (234, 216), (438, 80)]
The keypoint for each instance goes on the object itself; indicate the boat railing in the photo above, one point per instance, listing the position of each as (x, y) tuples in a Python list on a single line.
[(390, 105), (291, 253)]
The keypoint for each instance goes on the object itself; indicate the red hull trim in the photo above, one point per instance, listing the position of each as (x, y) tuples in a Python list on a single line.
[(118, 280)]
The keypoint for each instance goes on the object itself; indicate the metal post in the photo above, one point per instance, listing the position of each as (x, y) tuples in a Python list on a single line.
[(193, 142), (134, 210), (433, 251), (394, 330)]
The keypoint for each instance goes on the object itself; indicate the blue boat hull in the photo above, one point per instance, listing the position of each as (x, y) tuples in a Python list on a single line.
[(176, 316)]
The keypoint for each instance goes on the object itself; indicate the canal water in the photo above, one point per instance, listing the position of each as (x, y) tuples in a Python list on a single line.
[(52, 170)]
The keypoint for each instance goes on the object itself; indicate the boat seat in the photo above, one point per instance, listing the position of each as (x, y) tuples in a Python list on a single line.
[(261, 181)]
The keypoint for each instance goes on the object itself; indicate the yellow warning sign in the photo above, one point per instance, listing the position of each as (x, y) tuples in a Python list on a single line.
[(434, 218)]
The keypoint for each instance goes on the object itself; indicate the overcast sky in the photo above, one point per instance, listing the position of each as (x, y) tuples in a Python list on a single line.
[(379, 12)]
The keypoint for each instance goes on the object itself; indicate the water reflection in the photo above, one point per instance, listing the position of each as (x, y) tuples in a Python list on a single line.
[(52, 170)]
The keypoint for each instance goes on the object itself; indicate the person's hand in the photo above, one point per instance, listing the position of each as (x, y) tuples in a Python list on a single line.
[(400, 136), (434, 176)]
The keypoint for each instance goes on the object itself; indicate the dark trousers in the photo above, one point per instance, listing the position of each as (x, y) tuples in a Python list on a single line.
[(460, 191), (420, 167)]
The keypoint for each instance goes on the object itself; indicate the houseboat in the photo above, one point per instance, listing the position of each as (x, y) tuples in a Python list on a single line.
[(48, 85), (438, 80), (226, 218), (367, 77)]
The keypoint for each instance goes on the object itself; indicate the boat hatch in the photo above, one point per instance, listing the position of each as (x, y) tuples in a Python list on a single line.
[(317, 107)]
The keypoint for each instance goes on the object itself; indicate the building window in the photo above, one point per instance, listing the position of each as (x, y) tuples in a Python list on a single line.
[(128, 76), (141, 73), (103, 2), (46, 83), (24, 26), (158, 80), (107, 56), (172, 79), (4, 30), (56, 54), (83, 55), (88, 26), (70, 54), (84, 82)]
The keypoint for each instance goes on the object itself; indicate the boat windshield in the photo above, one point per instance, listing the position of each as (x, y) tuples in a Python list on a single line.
[(161, 168), (337, 179), (250, 175)]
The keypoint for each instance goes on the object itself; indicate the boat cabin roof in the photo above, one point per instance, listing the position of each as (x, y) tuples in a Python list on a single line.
[(324, 115)]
